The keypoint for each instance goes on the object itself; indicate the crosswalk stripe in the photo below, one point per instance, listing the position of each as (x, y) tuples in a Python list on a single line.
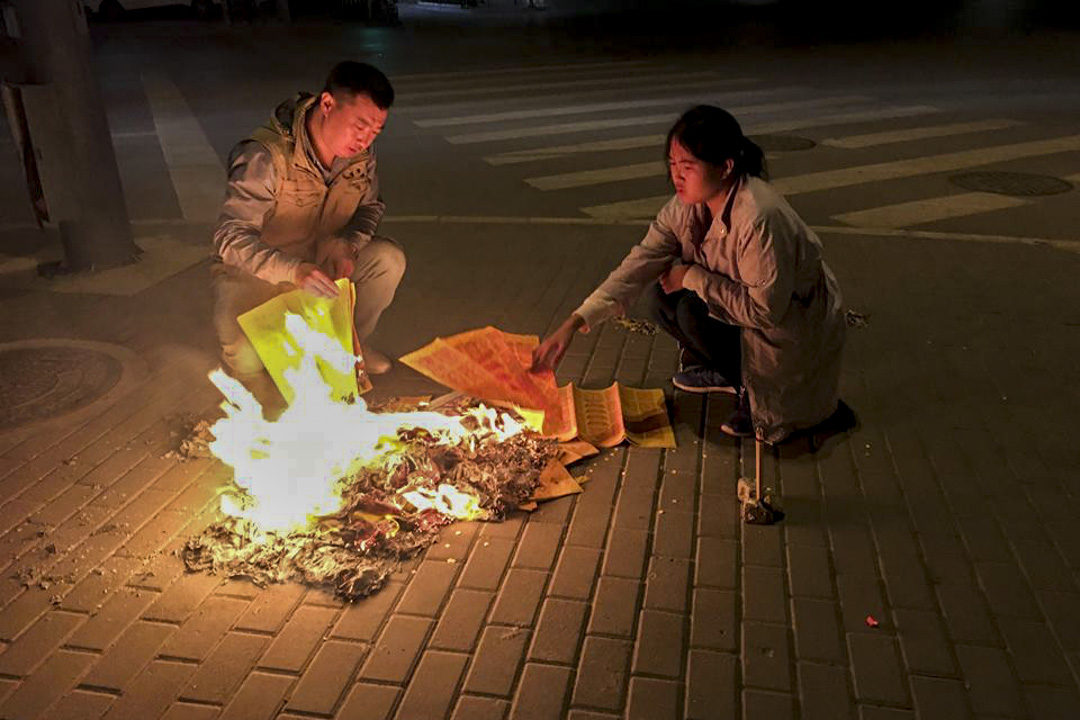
[(472, 74), (924, 211), (891, 112), (556, 151), (560, 129), (611, 123), (667, 88), (852, 142), (1072, 246), (533, 87), (845, 177), (581, 109), (194, 167), (640, 141), (628, 209), (582, 178), (831, 179)]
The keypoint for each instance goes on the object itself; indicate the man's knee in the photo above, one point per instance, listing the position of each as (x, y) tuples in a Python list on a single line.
[(382, 258), (241, 358), (235, 293)]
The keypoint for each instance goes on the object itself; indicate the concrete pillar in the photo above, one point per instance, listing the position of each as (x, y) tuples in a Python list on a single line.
[(71, 134)]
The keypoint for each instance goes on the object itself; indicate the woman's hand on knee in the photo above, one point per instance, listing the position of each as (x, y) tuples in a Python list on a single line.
[(672, 280)]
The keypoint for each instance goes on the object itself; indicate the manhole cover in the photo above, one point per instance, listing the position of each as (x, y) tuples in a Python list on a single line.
[(38, 382), (782, 143), (1011, 183)]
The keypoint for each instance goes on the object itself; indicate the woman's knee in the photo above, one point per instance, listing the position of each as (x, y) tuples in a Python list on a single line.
[(691, 311), (657, 305)]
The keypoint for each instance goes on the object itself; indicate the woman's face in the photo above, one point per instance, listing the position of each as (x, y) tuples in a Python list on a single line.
[(696, 181)]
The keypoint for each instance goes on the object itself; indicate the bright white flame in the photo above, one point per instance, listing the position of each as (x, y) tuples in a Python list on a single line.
[(290, 467), (447, 500)]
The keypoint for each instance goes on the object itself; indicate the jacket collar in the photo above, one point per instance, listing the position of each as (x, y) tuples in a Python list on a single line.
[(720, 225), (303, 150)]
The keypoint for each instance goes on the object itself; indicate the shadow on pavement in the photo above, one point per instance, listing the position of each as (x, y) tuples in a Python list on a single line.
[(821, 437)]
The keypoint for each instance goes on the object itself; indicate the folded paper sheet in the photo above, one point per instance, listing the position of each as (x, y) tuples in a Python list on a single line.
[(494, 366), (325, 321), (607, 417)]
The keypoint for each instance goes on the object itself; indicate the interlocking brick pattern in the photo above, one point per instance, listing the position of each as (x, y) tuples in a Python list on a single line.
[(642, 597), (949, 516)]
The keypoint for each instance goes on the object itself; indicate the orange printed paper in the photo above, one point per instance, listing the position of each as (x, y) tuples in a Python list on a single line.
[(487, 364), (493, 365)]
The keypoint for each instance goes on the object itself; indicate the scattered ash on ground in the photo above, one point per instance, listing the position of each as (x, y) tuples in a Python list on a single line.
[(856, 320), (636, 325)]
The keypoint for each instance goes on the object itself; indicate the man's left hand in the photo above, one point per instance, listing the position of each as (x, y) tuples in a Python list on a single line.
[(672, 280)]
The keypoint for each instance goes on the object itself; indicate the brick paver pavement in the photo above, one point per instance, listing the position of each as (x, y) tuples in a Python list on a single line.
[(947, 516)]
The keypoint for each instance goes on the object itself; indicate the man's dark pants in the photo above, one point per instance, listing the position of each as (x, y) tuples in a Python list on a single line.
[(705, 340)]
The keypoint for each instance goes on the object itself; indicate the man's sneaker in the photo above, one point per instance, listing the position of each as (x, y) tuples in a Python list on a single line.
[(740, 424), (702, 380)]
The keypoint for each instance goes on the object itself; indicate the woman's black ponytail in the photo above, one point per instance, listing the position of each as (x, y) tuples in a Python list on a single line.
[(751, 159)]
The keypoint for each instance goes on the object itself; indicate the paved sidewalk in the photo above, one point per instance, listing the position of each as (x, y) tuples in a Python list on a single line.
[(949, 517)]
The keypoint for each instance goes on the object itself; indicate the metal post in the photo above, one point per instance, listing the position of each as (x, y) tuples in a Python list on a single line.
[(758, 463), (71, 134)]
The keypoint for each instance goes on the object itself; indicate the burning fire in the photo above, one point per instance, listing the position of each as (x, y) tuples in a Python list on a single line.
[(291, 469)]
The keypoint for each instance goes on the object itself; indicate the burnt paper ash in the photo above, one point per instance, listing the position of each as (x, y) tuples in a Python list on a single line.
[(356, 549)]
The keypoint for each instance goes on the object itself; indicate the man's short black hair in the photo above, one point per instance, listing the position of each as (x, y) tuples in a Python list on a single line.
[(353, 78)]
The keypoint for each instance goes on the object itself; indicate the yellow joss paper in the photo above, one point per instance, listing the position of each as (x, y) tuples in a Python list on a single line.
[(645, 417), (322, 328), (609, 416)]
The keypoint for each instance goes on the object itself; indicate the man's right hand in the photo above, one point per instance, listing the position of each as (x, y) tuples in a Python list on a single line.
[(310, 278)]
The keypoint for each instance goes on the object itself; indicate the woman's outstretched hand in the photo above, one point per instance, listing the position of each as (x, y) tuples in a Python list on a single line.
[(549, 353)]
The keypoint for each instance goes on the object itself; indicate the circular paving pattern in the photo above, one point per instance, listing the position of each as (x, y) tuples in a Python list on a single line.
[(782, 143), (1011, 183), (44, 379)]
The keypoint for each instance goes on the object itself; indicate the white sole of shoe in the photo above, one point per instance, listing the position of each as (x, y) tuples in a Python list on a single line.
[(704, 390)]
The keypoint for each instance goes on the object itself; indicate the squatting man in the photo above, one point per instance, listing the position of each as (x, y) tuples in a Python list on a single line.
[(301, 210)]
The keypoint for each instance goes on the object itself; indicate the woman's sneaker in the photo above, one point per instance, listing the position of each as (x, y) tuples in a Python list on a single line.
[(702, 380), (740, 424)]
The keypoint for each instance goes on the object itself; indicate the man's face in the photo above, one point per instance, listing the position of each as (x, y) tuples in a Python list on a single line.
[(350, 125), (695, 180)]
